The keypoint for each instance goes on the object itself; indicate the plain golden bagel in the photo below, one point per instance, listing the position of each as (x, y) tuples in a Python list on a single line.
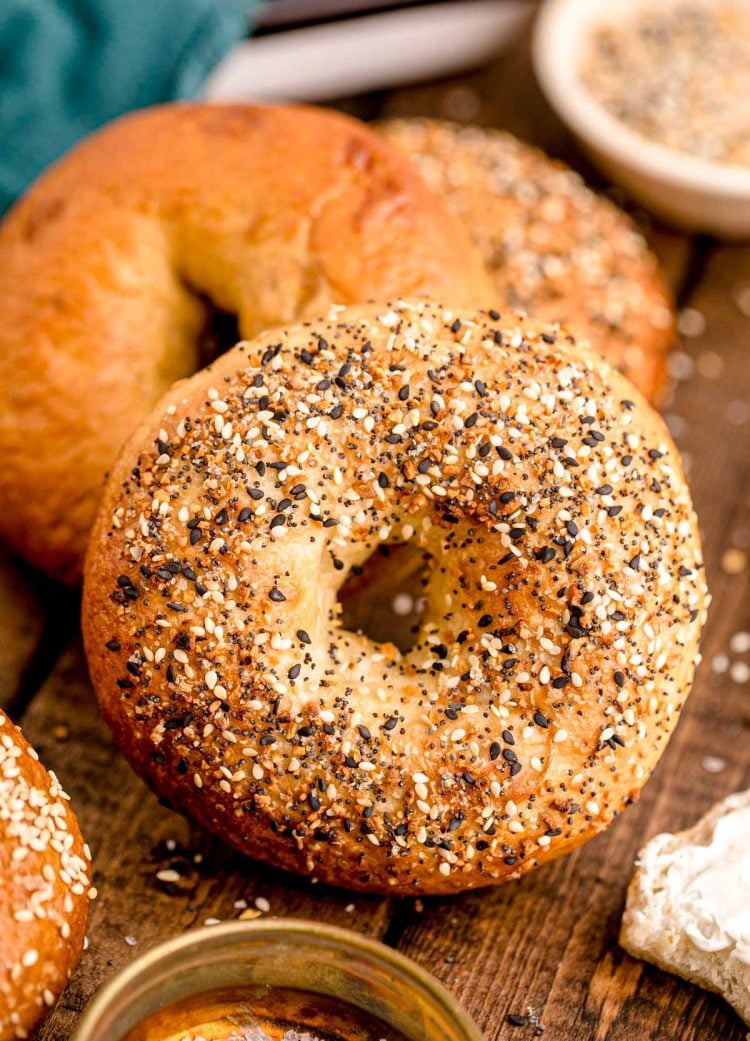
[(44, 887), (562, 578), (555, 249), (115, 260)]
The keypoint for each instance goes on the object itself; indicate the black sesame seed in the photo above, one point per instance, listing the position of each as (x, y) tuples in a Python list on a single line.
[(545, 554)]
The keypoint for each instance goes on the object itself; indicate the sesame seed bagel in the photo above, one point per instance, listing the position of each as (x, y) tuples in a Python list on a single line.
[(116, 259), (44, 886), (564, 595), (555, 249)]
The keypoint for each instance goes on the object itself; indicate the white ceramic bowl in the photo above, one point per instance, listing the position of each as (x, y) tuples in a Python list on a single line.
[(694, 193)]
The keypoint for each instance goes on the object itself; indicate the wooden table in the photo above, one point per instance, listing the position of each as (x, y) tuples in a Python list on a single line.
[(548, 942)]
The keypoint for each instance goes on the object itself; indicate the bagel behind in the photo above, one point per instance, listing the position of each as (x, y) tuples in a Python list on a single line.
[(555, 249), (112, 261)]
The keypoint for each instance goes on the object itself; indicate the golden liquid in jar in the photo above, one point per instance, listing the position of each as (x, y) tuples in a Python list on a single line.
[(233, 1014)]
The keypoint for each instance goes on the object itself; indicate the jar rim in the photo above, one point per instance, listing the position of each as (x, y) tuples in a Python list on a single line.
[(234, 933)]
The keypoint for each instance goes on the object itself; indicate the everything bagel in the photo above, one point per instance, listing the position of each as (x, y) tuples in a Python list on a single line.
[(115, 260), (555, 249), (563, 585), (44, 887)]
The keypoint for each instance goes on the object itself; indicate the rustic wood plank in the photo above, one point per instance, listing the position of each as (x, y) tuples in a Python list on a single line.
[(550, 942), (133, 837)]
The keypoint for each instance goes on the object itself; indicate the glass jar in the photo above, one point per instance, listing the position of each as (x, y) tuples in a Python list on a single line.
[(260, 979)]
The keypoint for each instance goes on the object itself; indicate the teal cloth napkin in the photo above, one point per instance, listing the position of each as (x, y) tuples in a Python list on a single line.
[(67, 66)]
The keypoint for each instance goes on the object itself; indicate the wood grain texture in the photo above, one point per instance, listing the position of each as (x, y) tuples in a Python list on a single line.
[(132, 837)]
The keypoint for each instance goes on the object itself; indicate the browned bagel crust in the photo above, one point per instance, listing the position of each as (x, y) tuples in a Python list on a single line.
[(556, 250), (563, 607), (44, 886), (271, 213)]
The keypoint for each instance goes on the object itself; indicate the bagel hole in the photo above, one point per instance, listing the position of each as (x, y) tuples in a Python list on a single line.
[(384, 598), (219, 334)]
